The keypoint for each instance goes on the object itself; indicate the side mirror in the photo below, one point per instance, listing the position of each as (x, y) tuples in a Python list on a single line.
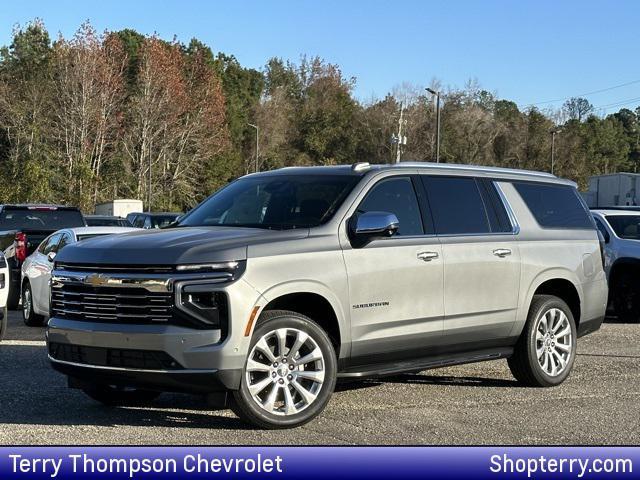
[(370, 226), (51, 256)]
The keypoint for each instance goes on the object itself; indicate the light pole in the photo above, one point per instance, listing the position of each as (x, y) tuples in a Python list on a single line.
[(257, 144), (437, 94), (553, 132)]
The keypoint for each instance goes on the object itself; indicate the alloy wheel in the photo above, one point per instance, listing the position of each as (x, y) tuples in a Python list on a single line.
[(285, 371), (554, 342), (26, 302)]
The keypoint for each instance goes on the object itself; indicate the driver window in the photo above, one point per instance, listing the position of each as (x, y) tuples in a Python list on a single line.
[(396, 195), (52, 244), (66, 240)]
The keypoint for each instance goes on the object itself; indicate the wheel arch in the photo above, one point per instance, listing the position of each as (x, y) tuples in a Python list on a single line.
[(558, 282), (315, 301)]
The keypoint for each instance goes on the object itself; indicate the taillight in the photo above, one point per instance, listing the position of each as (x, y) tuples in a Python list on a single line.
[(21, 246)]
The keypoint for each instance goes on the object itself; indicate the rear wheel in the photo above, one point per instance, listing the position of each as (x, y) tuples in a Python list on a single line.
[(30, 317), (290, 372), (546, 350), (4, 322), (112, 395), (626, 297)]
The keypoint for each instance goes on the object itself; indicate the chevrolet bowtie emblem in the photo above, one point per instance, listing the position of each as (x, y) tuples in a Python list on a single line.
[(96, 279)]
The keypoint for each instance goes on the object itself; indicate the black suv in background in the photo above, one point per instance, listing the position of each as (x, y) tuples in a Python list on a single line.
[(22, 228)]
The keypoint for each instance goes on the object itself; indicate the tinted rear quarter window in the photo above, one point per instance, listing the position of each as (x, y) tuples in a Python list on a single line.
[(554, 206)]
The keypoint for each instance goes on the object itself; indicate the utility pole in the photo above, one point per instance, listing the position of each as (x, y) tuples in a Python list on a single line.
[(400, 139), (437, 95), (149, 189), (257, 143), (553, 146)]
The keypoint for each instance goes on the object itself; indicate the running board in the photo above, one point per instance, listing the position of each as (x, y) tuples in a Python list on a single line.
[(417, 365)]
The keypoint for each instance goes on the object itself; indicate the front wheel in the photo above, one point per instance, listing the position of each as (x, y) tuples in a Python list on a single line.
[(289, 374), (112, 395), (30, 317), (546, 350)]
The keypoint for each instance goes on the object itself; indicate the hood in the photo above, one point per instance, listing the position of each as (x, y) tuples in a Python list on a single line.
[(174, 246)]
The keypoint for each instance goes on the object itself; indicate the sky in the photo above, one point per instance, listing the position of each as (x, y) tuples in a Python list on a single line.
[(532, 52)]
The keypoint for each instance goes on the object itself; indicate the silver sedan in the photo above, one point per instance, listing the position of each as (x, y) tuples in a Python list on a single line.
[(36, 269)]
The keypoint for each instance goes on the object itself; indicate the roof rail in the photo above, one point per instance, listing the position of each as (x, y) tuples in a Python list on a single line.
[(360, 166)]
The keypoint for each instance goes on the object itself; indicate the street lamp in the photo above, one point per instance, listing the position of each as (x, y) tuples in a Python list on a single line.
[(257, 145), (553, 132), (437, 94)]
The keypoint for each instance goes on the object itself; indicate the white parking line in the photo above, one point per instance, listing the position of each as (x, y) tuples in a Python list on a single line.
[(24, 343)]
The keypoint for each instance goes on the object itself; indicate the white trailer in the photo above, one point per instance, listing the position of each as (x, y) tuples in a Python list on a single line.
[(613, 190), (119, 208)]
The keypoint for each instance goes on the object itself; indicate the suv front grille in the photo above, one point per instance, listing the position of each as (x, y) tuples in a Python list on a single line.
[(113, 357), (110, 304)]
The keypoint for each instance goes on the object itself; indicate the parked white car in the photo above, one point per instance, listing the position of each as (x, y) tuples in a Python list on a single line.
[(36, 269), (4, 290)]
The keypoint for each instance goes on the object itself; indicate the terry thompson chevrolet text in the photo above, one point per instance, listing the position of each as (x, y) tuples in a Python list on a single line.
[(283, 282)]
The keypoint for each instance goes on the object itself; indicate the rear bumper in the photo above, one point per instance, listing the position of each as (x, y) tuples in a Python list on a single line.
[(589, 326), (186, 381)]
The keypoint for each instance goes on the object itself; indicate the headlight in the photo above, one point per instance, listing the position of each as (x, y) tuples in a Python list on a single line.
[(208, 267), (203, 304)]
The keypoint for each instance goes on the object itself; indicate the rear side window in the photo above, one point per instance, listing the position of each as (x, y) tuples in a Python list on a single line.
[(456, 205), (554, 206)]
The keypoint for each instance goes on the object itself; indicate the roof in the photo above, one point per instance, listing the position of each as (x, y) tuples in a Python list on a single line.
[(605, 211), (101, 230), (39, 205), (360, 169)]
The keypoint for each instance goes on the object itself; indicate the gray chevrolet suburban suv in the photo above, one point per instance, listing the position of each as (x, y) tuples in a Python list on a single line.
[(283, 282)]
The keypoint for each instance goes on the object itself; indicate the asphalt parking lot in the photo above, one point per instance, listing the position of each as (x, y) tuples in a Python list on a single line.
[(471, 404)]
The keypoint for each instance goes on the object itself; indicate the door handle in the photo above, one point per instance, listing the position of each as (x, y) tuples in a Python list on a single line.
[(501, 252), (427, 256)]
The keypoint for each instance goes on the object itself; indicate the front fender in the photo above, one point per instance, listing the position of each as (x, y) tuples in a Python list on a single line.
[(317, 288)]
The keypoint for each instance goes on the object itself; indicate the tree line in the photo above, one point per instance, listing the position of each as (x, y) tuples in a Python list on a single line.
[(124, 115)]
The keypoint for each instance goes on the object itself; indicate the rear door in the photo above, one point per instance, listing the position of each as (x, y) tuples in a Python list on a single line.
[(481, 259), (395, 284)]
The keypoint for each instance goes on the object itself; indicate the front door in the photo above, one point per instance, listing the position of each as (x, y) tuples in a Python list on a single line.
[(395, 284)]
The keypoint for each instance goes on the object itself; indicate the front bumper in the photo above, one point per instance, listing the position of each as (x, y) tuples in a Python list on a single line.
[(186, 381), (203, 361)]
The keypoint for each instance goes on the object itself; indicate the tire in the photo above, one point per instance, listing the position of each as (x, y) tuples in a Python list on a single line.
[(114, 396), (302, 390), (542, 357), (30, 318), (626, 297), (4, 323), (13, 295)]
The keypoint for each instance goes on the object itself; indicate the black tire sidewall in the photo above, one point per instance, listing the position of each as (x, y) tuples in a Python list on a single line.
[(244, 400), (4, 323), (622, 287), (536, 370)]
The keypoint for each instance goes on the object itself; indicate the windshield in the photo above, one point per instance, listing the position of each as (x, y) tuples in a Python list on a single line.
[(40, 219), (107, 222), (625, 226), (274, 202)]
